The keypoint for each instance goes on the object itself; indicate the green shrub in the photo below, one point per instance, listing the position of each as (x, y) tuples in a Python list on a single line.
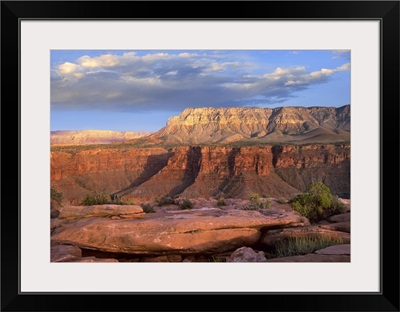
[(318, 203), (221, 201), (186, 204), (81, 182), (166, 200), (281, 201), (56, 195), (148, 208), (292, 246), (257, 204), (126, 201), (100, 198), (255, 196)]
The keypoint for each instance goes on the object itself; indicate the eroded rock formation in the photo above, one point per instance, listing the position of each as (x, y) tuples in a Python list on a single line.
[(201, 171), (263, 125)]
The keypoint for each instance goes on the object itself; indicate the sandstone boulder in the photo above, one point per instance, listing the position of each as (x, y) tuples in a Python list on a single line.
[(246, 254), (344, 217), (188, 232), (124, 211)]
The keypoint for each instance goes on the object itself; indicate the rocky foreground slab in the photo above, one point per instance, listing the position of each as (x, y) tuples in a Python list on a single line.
[(125, 233), (184, 232)]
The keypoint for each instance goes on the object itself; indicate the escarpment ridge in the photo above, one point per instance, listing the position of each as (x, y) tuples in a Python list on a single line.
[(258, 125)]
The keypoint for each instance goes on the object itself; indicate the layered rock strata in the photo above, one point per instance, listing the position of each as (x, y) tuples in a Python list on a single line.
[(200, 171)]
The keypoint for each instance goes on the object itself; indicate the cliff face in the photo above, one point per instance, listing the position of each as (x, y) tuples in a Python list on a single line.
[(76, 173), (300, 166), (261, 125), (195, 171), (81, 137)]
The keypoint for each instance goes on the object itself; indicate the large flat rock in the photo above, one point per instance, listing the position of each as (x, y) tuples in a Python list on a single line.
[(188, 232), (78, 212)]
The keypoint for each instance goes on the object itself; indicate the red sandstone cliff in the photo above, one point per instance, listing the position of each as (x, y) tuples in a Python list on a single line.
[(195, 171)]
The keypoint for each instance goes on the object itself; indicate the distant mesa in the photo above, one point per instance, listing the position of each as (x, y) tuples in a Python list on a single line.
[(203, 126), (83, 137), (296, 125)]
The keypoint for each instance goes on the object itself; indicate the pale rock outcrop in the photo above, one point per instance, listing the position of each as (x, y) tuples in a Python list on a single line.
[(281, 124), (79, 137)]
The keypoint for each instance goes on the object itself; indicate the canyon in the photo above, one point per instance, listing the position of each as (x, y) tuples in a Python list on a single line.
[(201, 171), (207, 152), (203, 154)]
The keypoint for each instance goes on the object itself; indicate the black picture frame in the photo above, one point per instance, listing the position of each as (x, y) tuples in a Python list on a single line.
[(12, 12)]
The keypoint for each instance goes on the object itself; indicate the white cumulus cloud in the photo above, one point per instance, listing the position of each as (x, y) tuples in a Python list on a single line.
[(175, 80)]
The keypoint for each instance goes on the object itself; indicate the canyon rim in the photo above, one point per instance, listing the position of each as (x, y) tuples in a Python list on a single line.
[(200, 156)]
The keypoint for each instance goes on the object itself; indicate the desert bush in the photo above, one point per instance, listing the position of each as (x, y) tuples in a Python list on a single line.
[(56, 195), (81, 182), (126, 201), (100, 198), (217, 259), (281, 201), (264, 195), (166, 200), (221, 201), (257, 204), (292, 246), (148, 208), (186, 204), (255, 196), (317, 203)]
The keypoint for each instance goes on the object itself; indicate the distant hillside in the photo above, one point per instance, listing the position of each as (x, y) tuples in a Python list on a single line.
[(83, 137), (261, 125)]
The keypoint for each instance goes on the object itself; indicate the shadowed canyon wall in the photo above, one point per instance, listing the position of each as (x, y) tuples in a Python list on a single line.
[(200, 171)]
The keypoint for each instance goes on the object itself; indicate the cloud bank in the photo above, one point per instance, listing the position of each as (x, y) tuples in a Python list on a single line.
[(174, 81)]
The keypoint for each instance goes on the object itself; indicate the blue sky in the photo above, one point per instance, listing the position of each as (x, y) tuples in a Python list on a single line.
[(139, 90)]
